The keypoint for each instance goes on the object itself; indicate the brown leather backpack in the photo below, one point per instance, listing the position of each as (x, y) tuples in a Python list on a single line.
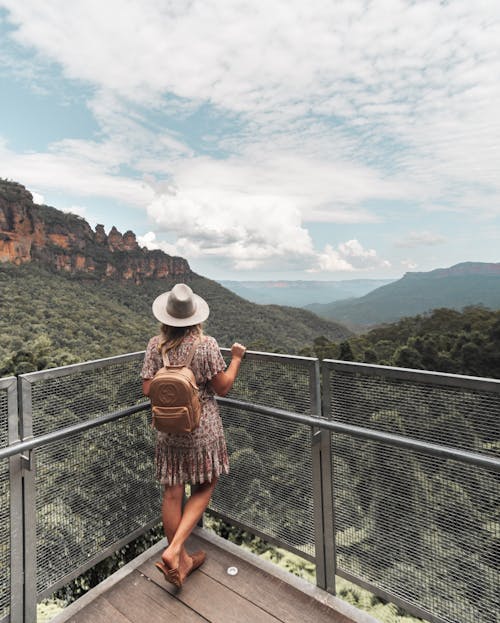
[(175, 397)]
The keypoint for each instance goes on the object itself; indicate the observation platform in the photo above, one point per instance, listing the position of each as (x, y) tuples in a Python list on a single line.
[(381, 476), (260, 592)]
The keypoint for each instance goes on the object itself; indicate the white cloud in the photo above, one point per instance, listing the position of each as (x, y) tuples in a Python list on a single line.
[(249, 230), (331, 261), (77, 210), (71, 169), (349, 256), (38, 198), (252, 211), (421, 238), (409, 264), (331, 108)]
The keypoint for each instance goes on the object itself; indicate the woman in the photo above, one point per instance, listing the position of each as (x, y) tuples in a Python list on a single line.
[(200, 457)]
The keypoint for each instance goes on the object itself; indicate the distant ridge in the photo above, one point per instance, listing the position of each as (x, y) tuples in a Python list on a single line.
[(456, 287), (302, 293), (464, 268)]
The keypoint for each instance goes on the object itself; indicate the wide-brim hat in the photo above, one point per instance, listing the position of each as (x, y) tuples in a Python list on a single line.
[(180, 307)]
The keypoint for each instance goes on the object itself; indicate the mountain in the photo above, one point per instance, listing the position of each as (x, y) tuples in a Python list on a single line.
[(302, 293), (468, 283), (68, 293), (66, 242)]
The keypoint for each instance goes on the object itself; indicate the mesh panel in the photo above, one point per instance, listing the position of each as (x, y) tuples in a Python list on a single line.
[(454, 416), (421, 528), (275, 382), (87, 393), (4, 511), (424, 529), (93, 489), (269, 489)]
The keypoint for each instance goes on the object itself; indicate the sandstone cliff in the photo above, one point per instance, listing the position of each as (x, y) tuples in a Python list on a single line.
[(67, 243)]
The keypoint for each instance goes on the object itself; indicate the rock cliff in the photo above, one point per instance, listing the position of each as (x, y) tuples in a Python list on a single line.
[(67, 243)]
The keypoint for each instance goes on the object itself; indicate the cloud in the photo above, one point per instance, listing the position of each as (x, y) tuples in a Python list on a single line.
[(251, 211), (38, 198), (72, 167), (413, 84), (249, 230), (331, 261), (77, 210), (349, 256), (217, 118), (409, 264), (422, 238)]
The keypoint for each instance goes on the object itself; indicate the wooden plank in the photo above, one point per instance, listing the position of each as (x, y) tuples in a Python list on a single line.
[(277, 597), (210, 598), (142, 600), (99, 611)]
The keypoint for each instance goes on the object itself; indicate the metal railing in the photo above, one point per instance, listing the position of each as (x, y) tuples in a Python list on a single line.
[(387, 477)]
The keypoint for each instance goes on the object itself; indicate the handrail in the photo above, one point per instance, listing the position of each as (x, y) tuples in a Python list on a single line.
[(314, 421), (35, 442), (407, 374), (473, 458)]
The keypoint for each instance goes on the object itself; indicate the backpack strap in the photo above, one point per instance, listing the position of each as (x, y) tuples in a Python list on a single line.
[(190, 356), (164, 356), (166, 361)]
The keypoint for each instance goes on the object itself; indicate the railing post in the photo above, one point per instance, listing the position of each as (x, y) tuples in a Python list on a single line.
[(319, 532), (29, 499), (16, 509), (322, 493), (327, 487)]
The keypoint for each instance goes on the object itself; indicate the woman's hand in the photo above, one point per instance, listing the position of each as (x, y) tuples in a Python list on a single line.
[(238, 350)]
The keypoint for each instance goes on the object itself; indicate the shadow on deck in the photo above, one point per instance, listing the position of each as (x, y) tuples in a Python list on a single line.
[(260, 592)]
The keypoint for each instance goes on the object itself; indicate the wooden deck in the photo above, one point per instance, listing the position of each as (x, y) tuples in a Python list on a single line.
[(259, 593)]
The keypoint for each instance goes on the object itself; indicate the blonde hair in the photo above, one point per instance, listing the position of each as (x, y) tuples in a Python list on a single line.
[(170, 337)]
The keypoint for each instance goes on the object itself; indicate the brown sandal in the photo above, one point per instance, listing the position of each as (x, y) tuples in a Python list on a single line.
[(198, 559), (171, 575)]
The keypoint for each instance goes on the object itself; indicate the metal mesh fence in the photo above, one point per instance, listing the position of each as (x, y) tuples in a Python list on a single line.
[(275, 381), (5, 544), (458, 416), (88, 391), (93, 490), (422, 529), (269, 490)]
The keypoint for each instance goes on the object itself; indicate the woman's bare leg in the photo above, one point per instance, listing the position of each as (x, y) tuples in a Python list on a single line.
[(171, 513), (193, 510)]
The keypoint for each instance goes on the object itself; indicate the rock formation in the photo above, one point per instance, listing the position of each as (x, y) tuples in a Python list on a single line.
[(67, 243)]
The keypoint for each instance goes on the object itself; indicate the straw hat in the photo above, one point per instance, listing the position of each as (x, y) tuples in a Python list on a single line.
[(180, 307)]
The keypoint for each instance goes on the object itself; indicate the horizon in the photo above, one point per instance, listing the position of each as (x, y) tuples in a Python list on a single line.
[(210, 132)]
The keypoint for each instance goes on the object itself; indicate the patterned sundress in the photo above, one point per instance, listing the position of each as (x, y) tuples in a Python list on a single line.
[(199, 456)]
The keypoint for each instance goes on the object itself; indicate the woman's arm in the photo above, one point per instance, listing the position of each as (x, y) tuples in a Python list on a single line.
[(223, 381)]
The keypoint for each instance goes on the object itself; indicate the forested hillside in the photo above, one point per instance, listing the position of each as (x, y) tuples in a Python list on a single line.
[(49, 319), (444, 340)]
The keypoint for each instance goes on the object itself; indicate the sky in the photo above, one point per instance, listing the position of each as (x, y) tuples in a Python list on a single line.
[(263, 139)]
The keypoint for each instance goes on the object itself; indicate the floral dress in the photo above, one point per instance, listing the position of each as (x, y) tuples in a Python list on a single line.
[(199, 456)]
